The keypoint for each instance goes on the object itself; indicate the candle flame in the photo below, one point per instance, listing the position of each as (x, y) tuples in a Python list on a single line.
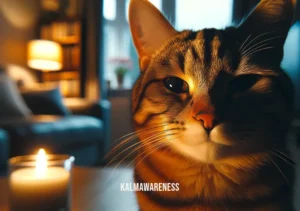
[(41, 163)]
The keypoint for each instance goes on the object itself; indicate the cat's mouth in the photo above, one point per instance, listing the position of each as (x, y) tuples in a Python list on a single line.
[(196, 143), (202, 141), (200, 145), (196, 135)]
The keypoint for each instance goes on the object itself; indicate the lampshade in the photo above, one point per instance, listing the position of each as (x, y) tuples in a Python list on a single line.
[(44, 55)]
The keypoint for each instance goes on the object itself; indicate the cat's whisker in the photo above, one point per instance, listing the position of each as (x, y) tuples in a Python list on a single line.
[(145, 129), (255, 38), (118, 146), (149, 139), (285, 155), (281, 172), (257, 47), (133, 151), (153, 146), (290, 162), (259, 43), (260, 50), (159, 141), (131, 138), (134, 135), (167, 148), (244, 42), (286, 161), (148, 143), (152, 143)]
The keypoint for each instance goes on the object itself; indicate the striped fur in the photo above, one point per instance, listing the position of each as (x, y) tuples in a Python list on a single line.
[(233, 73)]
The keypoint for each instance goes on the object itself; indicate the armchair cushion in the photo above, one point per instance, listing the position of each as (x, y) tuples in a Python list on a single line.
[(45, 100), (54, 133)]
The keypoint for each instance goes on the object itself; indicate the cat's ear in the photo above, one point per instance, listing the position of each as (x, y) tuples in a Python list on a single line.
[(270, 16), (149, 29), (263, 33)]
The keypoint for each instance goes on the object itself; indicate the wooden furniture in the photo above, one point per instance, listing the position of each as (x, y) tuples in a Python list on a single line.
[(68, 33), (93, 189)]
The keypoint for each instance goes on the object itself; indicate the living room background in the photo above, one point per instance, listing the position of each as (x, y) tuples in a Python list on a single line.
[(107, 42)]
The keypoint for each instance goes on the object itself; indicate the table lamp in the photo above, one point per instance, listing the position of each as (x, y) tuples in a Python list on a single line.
[(44, 55)]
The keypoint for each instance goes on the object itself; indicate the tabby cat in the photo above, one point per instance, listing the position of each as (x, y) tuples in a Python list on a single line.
[(212, 109)]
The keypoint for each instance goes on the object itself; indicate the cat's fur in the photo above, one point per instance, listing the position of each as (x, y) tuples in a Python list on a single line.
[(212, 109)]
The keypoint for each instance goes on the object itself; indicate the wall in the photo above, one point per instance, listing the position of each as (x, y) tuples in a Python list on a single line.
[(17, 24), (121, 116)]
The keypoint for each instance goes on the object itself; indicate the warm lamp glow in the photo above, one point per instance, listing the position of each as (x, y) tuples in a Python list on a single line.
[(41, 164), (44, 55)]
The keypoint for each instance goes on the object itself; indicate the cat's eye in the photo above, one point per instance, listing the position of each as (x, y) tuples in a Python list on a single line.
[(176, 85), (242, 83)]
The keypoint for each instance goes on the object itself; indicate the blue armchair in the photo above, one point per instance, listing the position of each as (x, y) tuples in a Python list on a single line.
[(3, 151)]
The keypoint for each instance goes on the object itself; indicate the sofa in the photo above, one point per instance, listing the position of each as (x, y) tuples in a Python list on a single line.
[(4, 148), (36, 119)]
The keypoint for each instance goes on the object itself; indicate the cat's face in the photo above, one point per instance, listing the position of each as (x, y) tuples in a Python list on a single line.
[(212, 94)]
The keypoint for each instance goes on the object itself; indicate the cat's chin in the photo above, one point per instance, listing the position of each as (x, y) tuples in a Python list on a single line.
[(206, 151)]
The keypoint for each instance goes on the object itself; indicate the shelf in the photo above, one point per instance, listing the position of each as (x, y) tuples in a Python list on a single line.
[(68, 43), (73, 69), (68, 33), (70, 40), (57, 76)]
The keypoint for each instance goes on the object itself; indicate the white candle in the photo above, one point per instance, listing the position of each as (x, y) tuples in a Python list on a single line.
[(39, 188)]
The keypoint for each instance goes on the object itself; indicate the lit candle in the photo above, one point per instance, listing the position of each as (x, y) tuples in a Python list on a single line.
[(41, 187)]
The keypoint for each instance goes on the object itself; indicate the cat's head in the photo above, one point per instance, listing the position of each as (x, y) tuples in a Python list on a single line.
[(212, 94)]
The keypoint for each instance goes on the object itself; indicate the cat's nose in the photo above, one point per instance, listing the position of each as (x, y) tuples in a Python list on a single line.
[(207, 119), (204, 112)]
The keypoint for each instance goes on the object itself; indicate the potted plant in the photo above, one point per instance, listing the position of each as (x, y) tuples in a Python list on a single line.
[(121, 72), (122, 66)]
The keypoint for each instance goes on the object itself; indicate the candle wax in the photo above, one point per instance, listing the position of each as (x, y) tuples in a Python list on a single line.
[(48, 191)]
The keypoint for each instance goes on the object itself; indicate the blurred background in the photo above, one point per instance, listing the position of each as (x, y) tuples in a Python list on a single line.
[(91, 58)]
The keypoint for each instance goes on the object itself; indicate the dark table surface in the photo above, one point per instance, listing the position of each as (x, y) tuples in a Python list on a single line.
[(98, 189), (93, 189)]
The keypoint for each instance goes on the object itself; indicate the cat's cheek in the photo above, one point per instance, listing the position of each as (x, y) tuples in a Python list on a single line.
[(218, 135), (147, 109)]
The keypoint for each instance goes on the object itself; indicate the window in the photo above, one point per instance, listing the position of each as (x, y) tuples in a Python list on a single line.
[(199, 14), (109, 9), (157, 3), (291, 62)]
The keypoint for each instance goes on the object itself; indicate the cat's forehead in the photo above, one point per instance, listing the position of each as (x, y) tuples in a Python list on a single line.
[(210, 50)]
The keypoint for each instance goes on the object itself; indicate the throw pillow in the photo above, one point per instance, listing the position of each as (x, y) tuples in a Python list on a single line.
[(45, 100)]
